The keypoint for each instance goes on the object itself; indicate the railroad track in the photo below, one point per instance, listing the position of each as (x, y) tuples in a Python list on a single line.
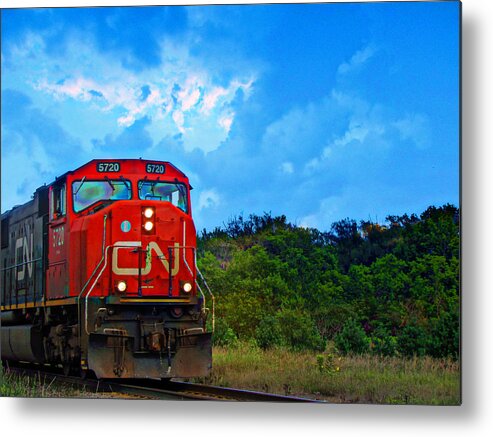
[(157, 389), (189, 390)]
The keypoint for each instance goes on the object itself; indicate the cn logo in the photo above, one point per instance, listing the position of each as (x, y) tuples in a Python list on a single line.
[(27, 256), (151, 247)]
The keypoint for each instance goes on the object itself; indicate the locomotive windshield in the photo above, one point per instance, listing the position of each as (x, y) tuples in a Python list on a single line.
[(87, 193), (165, 191)]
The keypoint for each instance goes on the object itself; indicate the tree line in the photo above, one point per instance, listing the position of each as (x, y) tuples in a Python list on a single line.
[(389, 289)]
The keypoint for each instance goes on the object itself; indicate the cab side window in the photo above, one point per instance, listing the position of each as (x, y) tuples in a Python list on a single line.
[(58, 207)]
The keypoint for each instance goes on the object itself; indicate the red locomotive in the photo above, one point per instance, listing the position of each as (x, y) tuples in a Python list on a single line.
[(99, 273)]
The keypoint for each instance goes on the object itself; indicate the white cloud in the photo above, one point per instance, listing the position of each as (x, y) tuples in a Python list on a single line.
[(358, 59), (190, 94), (33, 44), (76, 88), (414, 127), (357, 132), (226, 121), (287, 167), (179, 120), (211, 98), (314, 163), (182, 93), (329, 210), (208, 199)]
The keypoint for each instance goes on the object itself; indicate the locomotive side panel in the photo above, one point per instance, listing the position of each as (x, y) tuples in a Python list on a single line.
[(22, 254), (58, 231)]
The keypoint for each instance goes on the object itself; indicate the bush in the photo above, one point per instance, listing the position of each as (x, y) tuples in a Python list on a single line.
[(327, 364), (223, 334), (382, 343), (412, 340), (352, 339), (268, 333), (444, 340), (299, 331)]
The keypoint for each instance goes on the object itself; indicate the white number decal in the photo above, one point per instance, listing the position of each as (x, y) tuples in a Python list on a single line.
[(108, 167), (58, 236), (155, 168)]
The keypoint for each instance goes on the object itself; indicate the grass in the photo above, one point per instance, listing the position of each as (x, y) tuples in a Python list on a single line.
[(363, 379), (13, 384), (27, 386)]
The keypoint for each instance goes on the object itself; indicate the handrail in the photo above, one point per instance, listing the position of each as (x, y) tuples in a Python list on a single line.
[(208, 289), (20, 264), (110, 246), (190, 270), (194, 249), (8, 296), (93, 272), (100, 261), (95, 282)]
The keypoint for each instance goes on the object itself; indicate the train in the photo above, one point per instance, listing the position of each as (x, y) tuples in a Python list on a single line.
[(99, 275)]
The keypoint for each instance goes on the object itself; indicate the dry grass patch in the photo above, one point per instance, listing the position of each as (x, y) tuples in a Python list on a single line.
[(365, 379)]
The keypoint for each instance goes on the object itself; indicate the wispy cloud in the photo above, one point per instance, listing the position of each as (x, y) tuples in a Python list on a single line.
[(357, 60), (208, 199), (287, 167), (415, 127)]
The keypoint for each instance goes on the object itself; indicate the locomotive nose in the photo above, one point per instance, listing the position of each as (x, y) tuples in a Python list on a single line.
[(153, 250)]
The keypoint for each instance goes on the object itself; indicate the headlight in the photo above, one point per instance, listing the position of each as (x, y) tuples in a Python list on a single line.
[(122, 286), (187, 287), (148, 226), (148, 219), (148, 212)]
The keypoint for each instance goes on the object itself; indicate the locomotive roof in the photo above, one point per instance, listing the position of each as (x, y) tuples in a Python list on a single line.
[(167, 163)]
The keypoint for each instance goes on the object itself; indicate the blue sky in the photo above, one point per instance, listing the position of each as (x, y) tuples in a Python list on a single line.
[(315, 111)]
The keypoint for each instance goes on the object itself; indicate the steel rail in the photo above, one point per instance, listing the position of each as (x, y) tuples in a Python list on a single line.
[(206, 392)]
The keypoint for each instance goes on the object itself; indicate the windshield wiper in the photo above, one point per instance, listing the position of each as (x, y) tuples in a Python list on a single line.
[(80, 186), (109, 182), (182, 190), (125, 182)]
